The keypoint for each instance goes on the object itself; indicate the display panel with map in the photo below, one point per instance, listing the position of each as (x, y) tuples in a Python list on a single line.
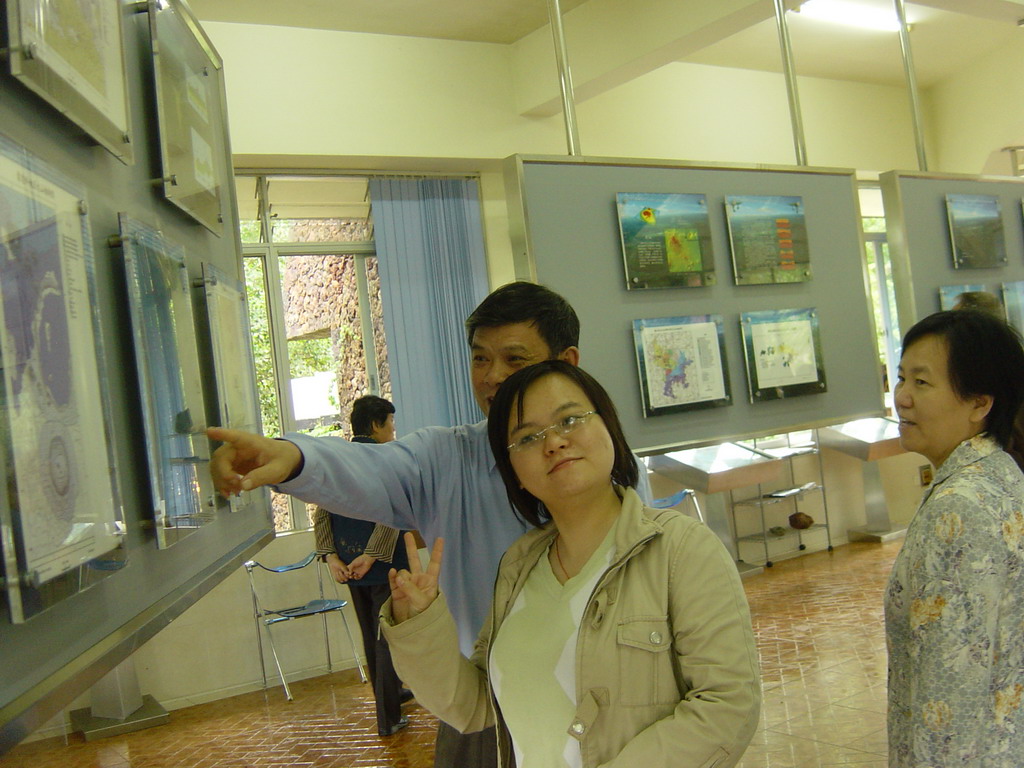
[(71, 53), (976, 231), (666, 240), (167, 360), (234, 368), (1013, 302), (949, 295), (783, 353), (682, 363), (61, 516), (768, 239), (191, 113)]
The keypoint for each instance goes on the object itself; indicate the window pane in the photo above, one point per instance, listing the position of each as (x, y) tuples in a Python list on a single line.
[(259, 328), (249, 230), (321, 230)]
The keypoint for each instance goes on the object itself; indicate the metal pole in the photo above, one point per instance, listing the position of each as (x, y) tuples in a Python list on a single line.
[(572, 137), (908, 69), (795, 116)]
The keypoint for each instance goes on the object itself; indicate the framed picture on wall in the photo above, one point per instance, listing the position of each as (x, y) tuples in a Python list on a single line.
[(666, 240), (1013, 303), (191, 113), (170, 384), (60, 507), (976, 231), (682, 363), (72, 55), (782, 348), (768, 239), (949, 295), (234, 368)]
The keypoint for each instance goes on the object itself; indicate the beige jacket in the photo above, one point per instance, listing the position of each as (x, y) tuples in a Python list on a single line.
[(666, 668)]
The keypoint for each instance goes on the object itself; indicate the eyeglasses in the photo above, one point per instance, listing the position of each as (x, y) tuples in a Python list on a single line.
[(567, 425)]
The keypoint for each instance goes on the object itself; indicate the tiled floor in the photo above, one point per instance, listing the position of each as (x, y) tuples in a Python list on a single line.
[(818, 620)]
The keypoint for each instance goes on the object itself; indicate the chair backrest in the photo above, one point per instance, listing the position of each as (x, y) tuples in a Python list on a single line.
[(297, 593)]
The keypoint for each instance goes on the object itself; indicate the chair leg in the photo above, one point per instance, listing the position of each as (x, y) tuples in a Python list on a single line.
[(352, 642), (273, 651)]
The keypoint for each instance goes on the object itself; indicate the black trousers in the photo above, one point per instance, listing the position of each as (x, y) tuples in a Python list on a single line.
[(367, 601), (465, 750)]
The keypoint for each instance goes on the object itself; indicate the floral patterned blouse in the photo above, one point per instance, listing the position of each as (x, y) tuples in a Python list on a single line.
[(954, 618)]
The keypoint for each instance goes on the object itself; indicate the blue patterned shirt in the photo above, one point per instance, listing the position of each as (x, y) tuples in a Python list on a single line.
[(954, 617)]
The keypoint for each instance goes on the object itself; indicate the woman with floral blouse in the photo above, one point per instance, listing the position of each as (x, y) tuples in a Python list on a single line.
[(954, 607)]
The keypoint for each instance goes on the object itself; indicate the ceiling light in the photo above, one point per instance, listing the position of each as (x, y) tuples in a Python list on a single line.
[(851, 14)]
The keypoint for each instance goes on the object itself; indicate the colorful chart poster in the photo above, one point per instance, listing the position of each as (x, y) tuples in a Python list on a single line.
[(976, 231), (768, 239), (71, 53), (682, 363), (783, 353), (167, 359), (666, 240), (950, 294), (62, 506)]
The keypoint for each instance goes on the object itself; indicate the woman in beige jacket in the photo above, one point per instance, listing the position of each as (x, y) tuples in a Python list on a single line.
[(619, 634)]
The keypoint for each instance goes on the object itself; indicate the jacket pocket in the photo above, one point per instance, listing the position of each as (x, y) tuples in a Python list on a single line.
[(644, 646)]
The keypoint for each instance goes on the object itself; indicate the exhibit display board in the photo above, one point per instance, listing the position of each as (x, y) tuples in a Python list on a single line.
[(780, 337), (950, 234), (87, 575)]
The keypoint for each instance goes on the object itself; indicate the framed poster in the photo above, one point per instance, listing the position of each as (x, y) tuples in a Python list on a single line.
[(976, 231), (681, 361), (72, 55), (234, 367), (949, 294), (768, 239), (191, 113), (1013, 302), (666, 240), (60, 508), (783, 353), (170, 384)]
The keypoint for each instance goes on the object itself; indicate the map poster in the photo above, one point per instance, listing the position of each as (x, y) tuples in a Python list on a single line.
[(193, 131), (71, 53), (167, 359), (1013, 302), (666, 240), (234, 368), (62, 509), (682, 363), (783, 353), (976, 231), (768, 239), (950, 294)]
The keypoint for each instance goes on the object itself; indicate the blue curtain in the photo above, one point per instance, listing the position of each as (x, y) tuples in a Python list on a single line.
[(430, 252)]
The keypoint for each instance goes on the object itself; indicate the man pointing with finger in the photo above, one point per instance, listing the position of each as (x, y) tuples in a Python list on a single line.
[(440, 481)]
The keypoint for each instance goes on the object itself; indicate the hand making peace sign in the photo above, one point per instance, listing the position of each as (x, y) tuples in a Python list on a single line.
[(414, 590)]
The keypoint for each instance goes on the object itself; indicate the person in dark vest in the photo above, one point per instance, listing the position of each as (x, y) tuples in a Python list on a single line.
[(360, 553)]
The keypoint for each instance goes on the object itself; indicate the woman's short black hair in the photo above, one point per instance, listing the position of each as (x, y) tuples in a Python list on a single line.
[(985, 358), (511, 392)]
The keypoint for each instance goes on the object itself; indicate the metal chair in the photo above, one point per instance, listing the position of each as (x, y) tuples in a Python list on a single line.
[(678, 498), (319, 607)]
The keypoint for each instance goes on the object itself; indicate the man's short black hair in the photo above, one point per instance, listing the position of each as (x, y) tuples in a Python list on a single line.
[(369, 411), (522, 302)]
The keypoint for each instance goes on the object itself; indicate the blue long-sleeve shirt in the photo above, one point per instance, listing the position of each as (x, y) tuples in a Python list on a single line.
[(441, 481)]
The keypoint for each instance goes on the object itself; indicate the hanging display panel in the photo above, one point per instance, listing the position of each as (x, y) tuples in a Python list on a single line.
[(1013, 302), (950, 294), (682, 363), (768, 239), (234, 368), (72, 55), (976, 231), (783, 353), (666, 240), (167, 360), (190, 110), (61, 507)]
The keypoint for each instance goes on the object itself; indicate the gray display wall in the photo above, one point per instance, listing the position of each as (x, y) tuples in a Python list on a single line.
[(920, 245), (54, 655), (566, 235)]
